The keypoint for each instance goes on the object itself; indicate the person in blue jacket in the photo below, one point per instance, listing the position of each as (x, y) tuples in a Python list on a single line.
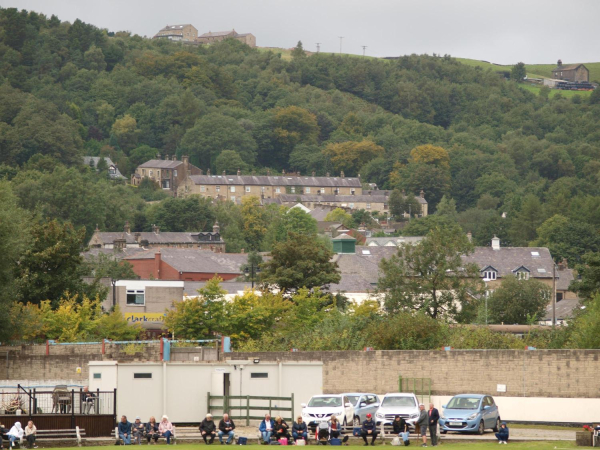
[(266, 428), (502, 434), (125, 430), (369, 428)]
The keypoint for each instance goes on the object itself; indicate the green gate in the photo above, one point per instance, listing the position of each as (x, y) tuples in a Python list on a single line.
[(243, 407), (421, 387)]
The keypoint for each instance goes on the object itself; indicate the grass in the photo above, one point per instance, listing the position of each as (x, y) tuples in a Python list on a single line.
[(537, 445), (553, 92), (525, 426)]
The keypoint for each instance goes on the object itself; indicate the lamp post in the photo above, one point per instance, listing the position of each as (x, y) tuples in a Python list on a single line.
[(252, 271)]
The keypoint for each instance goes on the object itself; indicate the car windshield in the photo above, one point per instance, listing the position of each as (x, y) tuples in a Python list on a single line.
[(324, 402), (398, 401), (353, 399), (464, 403)]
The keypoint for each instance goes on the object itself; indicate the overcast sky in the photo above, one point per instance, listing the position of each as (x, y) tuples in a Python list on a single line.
[(500, 31)]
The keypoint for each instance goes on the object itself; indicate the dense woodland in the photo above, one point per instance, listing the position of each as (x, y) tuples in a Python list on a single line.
[(494, 158)]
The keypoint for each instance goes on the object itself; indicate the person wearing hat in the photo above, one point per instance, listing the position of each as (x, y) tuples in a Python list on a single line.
[(208, 429), (423, 422), (369, 428), (138, 430), (165, 429), (502, 434)]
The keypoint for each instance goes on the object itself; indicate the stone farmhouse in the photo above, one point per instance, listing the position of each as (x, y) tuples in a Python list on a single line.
[(168, 173), (215, 36), (119, 241), (183, 33), (570, 72)]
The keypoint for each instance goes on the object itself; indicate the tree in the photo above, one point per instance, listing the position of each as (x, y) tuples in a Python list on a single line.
[(254, 220), (340, 216), (126, 132), (299, 262), (52, 264), (447, 207), (586, 326), (518, 301), (518, 72), (351, 156), (230, 162), (298, 51), (193, 213), (282, 221), (588, 285), (199, 317), (432, 278), (292, 126)]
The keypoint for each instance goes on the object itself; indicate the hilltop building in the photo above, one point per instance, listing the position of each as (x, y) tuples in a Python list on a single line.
[(184, 33), (215, 36), (571, 72)]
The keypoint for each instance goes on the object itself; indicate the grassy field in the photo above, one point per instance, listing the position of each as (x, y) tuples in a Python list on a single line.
[(567, 94), (538, 445)]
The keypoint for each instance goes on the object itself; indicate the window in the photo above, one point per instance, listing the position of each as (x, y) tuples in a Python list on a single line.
[(293, 190), (247, 188), (136, 297), (352, 191), (97, 376), (142, 375), (278, 190), (233, 198), (318, 191), (158, 173), (144, 172), (218, 188), (202, 188), (490, 274), (307, 190), (150, 172), (351, 205), (231, 188), (368, 206), (166, 184), (535, 254), (174, 173), (522, 275), (259, 375), (336, 191), (385, 206)]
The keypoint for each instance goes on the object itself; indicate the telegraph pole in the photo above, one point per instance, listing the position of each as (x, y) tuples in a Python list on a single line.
[(364, 48), (341, 37), (318, 47)]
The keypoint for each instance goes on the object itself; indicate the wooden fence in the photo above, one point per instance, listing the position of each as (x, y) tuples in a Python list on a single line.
[(247, 407)]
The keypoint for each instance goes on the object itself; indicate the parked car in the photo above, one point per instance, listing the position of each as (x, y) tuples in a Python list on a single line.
[(470, 413), (404, 405), (320, 408), (363, 404)]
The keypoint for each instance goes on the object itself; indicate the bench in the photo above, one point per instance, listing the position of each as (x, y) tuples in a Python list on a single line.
[(77, 434), (119, 441)]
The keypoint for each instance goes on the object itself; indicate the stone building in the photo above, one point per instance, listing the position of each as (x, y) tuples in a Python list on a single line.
[(216, 36), (571, 72), (184, 33), (168, 173)]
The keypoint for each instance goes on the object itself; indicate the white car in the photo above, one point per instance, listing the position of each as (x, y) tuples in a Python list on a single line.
[(404, 405), (320, 408)]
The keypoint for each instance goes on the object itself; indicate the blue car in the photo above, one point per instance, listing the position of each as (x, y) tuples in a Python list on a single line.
[(472, 413)]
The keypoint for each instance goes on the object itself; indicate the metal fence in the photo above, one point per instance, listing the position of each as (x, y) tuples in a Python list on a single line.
[(421, 387), (60, 400), (248, 407)]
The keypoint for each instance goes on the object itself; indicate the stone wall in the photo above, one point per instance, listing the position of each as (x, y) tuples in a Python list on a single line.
[(536, 373)]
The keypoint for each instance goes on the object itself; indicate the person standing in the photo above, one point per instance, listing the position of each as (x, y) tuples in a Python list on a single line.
[(423, 422), (434, 417), (401, 429), (226, 426), (30, 431), (369, 428), (208, 429), (266, 428), (125, 430)]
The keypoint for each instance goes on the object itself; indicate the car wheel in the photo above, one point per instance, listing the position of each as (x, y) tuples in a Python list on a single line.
[(356, 421), (443, 431), (481, 428), (497, 427)]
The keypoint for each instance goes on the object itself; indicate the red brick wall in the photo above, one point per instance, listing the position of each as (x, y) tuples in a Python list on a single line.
[(144, 268)]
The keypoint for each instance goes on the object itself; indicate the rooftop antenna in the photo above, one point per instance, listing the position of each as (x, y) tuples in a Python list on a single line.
[(364, 48), (318, 47), (341, 37)]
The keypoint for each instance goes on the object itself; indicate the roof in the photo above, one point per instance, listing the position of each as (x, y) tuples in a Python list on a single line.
[(161, 164), (197, 261), (163, 237), (116, 175), (360, 270), (379, 197), (388, 193), (564, 278), (393, 241), (320, 212), (175, 27), (218, 33), (344, 237), (507, 260), (567, 67), (117, 255), (565, 309), (269, 180)]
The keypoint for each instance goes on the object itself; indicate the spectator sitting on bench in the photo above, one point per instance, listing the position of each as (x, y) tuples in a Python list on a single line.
[(208, 429), (322, 432), (165, 429), (226, 426), (266, 428), (30, 431), (299, 430), (281, 429), (152, 430), (335, 429), (3, 434), (401, 429), (15, 434), (138, 430), (369, 428), (125, 430)]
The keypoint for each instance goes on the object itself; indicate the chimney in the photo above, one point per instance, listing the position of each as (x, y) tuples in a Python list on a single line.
[(495, 243), (216, 227), (137, 237), (283, 172), (155, 229), (158, 156), (559, 63), (239, 172), (268, 172), (97, 229), (470, 236), (167, 157), (223, 173), (185, 159), (157, 262), (127, 228), (174, 158), (208, 172), (342, 174), (313, 173), (298, 173), (422, 193)]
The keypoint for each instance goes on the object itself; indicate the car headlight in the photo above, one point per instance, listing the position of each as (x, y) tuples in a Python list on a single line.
[(472, 416), (380, 415)]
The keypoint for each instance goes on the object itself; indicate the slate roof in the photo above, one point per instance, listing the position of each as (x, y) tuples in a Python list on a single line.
[(376, 197), (567, 67), (218, 33), (564, 279), (388, 193), (565, 309), (507, 259), (360, 270), (400, 240), (96, 159), (320, 212), (269, 180), (161, 164), (117, 255), (197, 261), (163, 237)]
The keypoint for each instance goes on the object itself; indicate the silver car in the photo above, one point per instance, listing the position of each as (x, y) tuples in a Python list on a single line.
[(363, 404)]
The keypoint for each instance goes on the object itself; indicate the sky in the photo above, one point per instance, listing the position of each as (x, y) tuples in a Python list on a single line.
[(499, 31)]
